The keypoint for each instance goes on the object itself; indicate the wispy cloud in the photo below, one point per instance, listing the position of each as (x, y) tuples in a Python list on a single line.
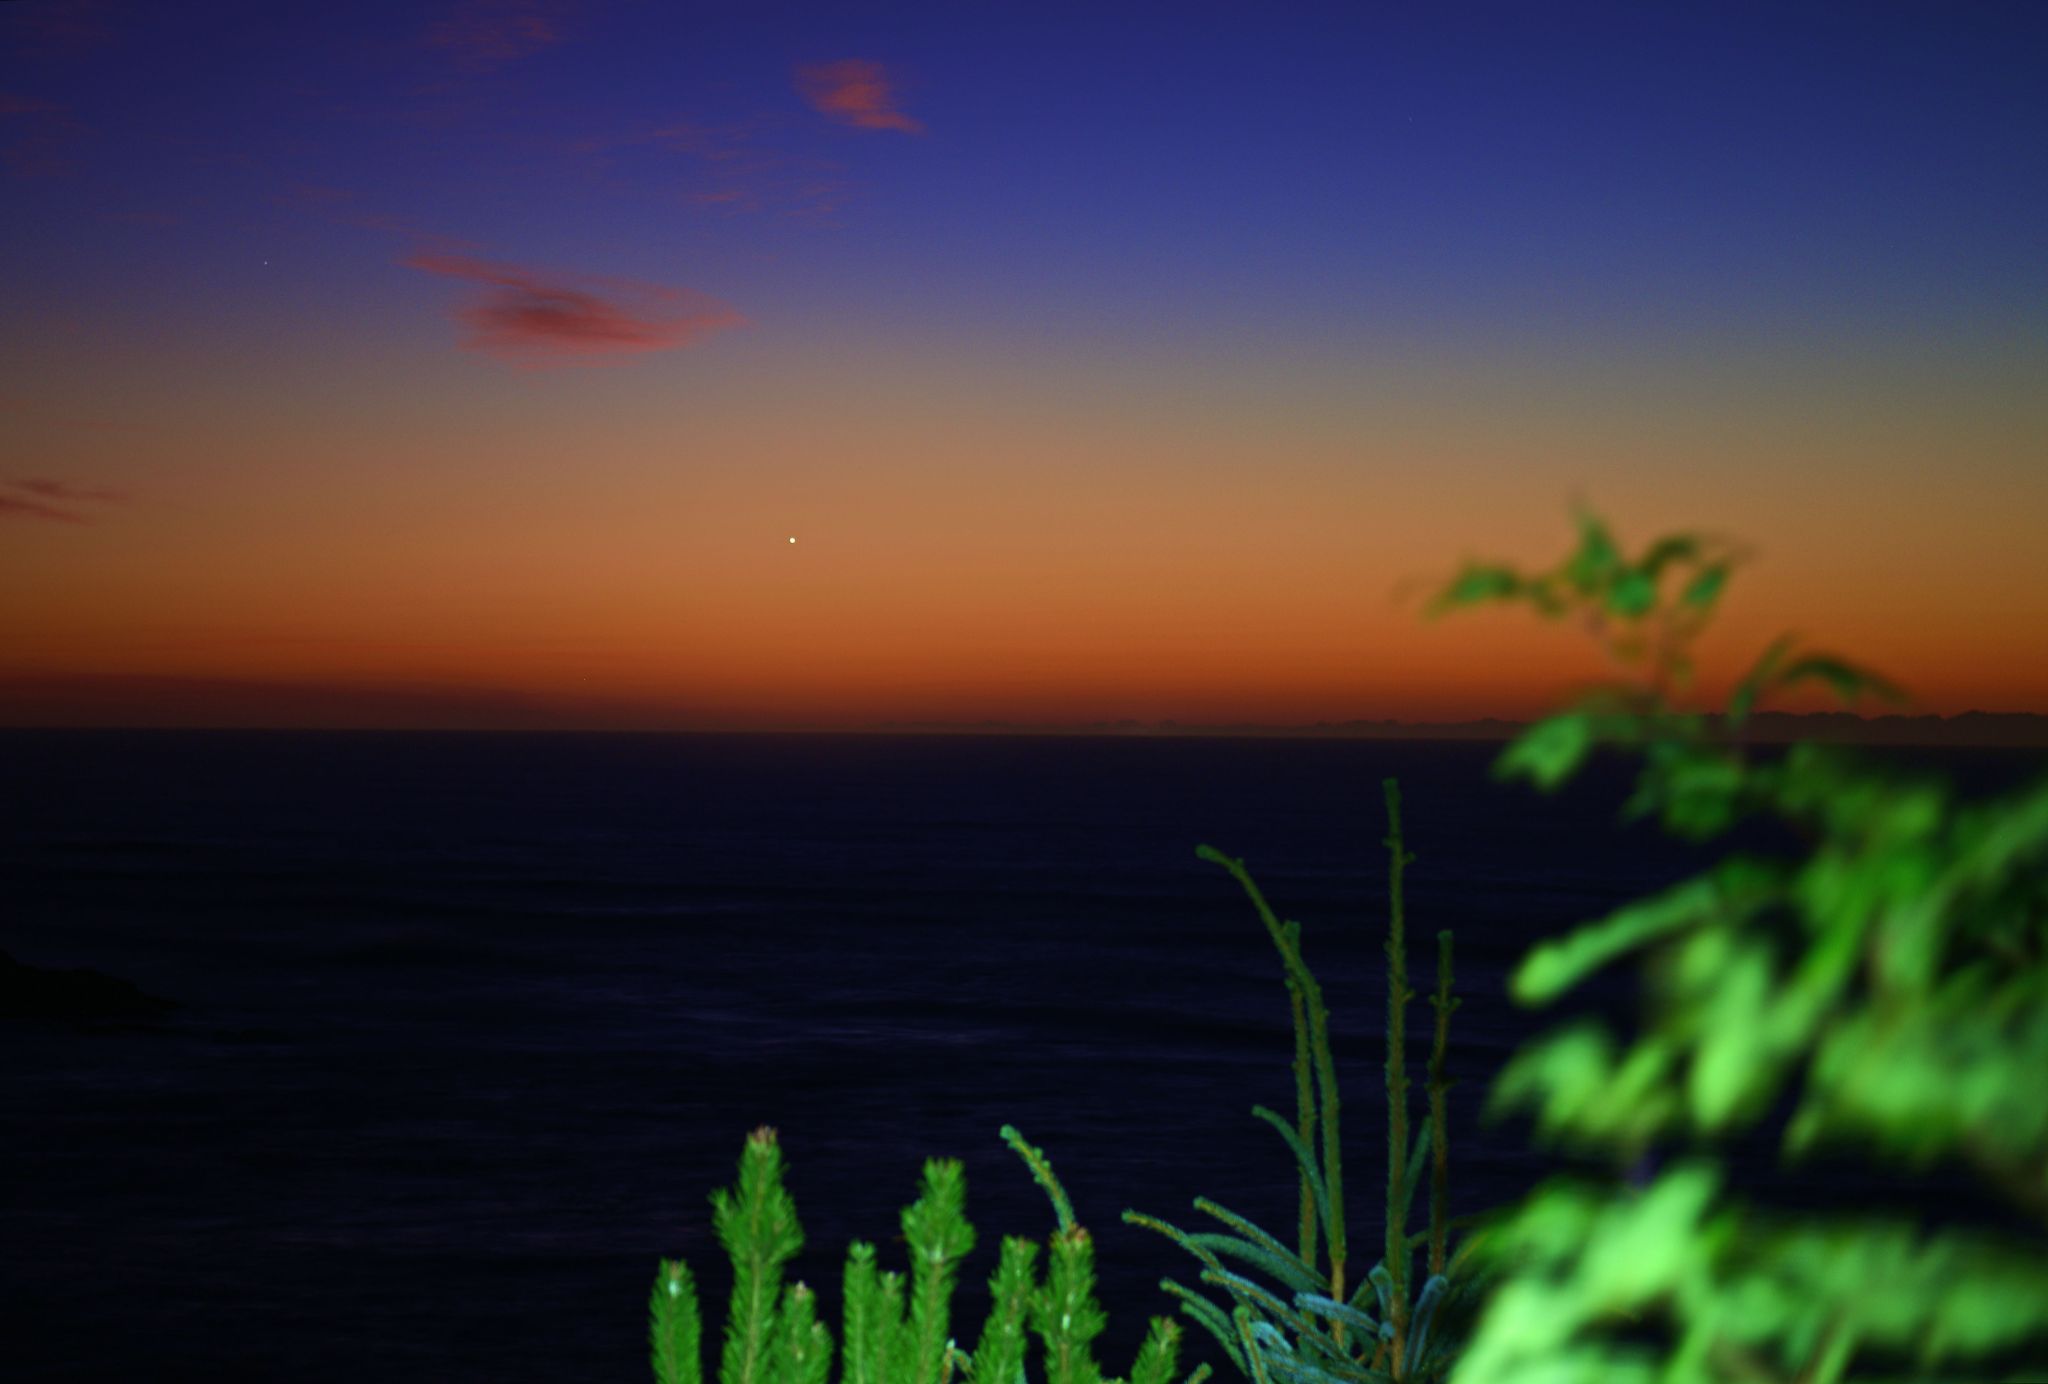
[(737, 165), (536, 317), (21, 507), (482, 35), (38, 497), (855, 92), (740, 171)]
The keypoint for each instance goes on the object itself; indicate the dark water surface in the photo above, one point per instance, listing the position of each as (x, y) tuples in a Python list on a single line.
[(473, 1025)]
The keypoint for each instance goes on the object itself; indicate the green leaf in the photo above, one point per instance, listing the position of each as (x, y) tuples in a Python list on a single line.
[(1754, 685), (1475, 585), (1642, 1248), (1733, 1057), (1632, 594), (1847, 679), (1548, 752), (1700, 792), (1705, 589), (1597, 558), (1680, 547), (1554, 967)]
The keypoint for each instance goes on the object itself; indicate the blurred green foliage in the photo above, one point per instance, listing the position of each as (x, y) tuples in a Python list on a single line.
[(1891, 988)]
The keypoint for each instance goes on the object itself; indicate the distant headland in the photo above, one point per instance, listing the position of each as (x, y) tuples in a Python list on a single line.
[(2016, 729)]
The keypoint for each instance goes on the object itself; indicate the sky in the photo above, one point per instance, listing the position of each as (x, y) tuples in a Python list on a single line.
[(475, 362)]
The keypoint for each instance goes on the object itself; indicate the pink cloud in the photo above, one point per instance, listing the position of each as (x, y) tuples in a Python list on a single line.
[(535, 318), (38, 497), (18, 507), (48, 489), (737, 166), (854, 92), (485, 34)]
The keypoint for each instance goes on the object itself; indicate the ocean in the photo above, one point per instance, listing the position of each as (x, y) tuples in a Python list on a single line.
[(471, 1026)]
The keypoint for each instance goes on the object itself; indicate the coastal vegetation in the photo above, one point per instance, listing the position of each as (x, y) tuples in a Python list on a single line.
[(1886, 994), (1394, 1325), (888, 1336)]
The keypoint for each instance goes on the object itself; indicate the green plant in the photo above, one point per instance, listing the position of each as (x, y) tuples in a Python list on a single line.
[(772, 1335), (1308, 1332), (1893, 986)]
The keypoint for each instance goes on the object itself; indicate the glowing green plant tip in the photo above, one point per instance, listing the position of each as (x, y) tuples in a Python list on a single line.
[(888, 1338)]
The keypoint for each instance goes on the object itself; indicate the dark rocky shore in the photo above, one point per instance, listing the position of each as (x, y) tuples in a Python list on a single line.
[(73, 995)]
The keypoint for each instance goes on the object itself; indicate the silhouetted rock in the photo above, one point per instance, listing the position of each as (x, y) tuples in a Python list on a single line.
[(36, 992)]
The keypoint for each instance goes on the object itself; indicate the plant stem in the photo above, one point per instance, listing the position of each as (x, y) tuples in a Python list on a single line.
[(1439, 1116), (1305, 1106), (1302, 983), (1397, 1077), (1333, 1162)]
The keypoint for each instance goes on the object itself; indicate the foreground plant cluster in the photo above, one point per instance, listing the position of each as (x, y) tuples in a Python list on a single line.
[(1891, 990)]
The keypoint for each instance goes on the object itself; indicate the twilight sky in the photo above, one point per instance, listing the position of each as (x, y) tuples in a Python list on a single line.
[(473, 362)]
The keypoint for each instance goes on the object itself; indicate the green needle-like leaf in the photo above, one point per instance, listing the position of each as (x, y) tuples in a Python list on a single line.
[(1211, 1318), (1337, 1312), (1041, 1170), (1306, 1162), (1294, 1266)]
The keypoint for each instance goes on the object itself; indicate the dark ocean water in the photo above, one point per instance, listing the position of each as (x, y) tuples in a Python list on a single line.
[(473, 1025)]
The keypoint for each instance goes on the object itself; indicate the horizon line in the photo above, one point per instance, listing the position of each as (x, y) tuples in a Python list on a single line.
[(2020, 729)]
